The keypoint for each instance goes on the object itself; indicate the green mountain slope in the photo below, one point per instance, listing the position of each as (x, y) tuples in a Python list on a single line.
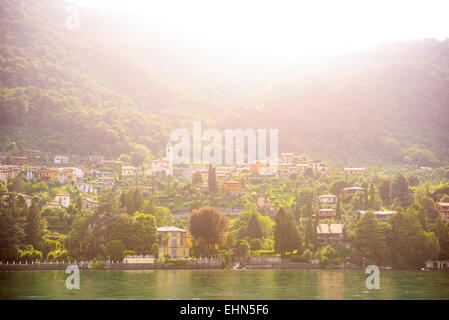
[(106, 88)]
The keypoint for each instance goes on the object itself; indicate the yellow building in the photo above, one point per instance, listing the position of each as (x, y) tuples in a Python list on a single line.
[(232, 187), (174, 242), (50, 174)]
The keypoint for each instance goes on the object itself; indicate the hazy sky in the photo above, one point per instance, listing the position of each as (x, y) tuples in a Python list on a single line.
[(288, 29)]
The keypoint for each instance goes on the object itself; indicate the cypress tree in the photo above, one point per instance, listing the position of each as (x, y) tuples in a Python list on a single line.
[(33, 227), (399, 191), (338, 210), (212, 180), (254, 229)]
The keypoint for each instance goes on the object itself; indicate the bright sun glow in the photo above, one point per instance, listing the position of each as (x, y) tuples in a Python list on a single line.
[(289, 29)]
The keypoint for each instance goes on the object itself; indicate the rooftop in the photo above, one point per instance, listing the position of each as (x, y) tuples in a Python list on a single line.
[(170, 229), (379, 212), (330, 228)]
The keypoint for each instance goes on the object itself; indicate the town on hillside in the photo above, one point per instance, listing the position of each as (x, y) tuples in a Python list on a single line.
[(149, 212)]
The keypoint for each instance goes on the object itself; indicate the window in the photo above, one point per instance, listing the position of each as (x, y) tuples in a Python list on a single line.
[(174, 235), (173, 253), (173, 242)]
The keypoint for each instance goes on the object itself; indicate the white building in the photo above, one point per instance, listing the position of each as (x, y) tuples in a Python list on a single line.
[(380, 215), (129, 170), (61, 159), (78, 172), (87, 188), (104, 182), (162, 165), (327, 199), (358, 171), (63, 199)]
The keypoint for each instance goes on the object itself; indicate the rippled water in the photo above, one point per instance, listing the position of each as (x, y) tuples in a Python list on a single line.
[(225, 284)]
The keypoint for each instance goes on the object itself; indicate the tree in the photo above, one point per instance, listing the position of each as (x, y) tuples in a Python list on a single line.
[(399, 192), (310, 234), (150, 206), (372, 197), (146, 233), (370, 239), (357, 200), (366, 202), (254, 229), (442, 233), (197, 178), (429, 208), (114, 249), (35, 228), (256, 244), (383, 188), (163, 216), (81, 242), (126, 230), (308, 173), (208, 226), (412, 180), (241, 247), (212, 180), (241, 223), (338, 210), (17, 185), (9, 237), (410, 245), (328, 256), (137, 200), (286, 235), (337, 187), (3, 189)]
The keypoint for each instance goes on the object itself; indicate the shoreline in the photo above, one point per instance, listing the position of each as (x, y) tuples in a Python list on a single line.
[(129, 266)]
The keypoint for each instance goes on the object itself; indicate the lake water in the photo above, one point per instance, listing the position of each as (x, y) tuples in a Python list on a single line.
[(225, 284)]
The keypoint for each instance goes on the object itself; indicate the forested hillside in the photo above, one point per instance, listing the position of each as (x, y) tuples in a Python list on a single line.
[(109, 89)]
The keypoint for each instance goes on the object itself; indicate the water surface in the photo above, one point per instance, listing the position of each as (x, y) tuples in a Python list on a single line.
[(225, 284)]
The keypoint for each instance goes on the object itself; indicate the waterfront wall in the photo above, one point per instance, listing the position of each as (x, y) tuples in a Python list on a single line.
[(113, 266), (43, 266), (161, 266)]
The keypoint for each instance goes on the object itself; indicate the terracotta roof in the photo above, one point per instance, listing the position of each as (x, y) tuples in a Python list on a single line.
[(23, 195), (330, 228)]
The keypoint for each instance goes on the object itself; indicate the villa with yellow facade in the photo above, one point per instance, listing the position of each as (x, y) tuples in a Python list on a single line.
[(232, 187), (174, 242)]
